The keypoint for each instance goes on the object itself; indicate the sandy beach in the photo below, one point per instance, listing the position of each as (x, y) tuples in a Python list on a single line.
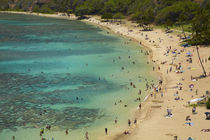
[(179, 85), (152, 123)]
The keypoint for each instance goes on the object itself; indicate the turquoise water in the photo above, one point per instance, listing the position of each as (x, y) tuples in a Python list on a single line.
[(66, 74)]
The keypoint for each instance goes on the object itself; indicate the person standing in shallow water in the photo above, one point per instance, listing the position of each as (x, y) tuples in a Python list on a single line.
[(139, 92), (129, 122), (67, 131), (86, 136), (115, 121), (41, 131), (106, 131)]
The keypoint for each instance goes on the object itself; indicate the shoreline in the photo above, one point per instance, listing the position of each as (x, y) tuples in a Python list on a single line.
[(154, 108), (150, 115), (57, 15)]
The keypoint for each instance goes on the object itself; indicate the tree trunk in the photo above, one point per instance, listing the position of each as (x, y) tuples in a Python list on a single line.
[(201, 62), (183, 32), (167, 28)]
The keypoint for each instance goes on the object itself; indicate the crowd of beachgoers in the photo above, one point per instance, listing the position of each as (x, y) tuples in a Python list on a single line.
[(172, 109)]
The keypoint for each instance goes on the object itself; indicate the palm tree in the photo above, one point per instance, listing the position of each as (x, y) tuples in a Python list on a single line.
[(204, 72), (200, 32)]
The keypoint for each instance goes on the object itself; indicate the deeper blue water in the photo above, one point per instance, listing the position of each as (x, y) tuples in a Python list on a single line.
[(66, 74)]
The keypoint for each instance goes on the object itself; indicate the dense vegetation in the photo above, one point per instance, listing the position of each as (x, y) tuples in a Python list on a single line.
[(145, 12)]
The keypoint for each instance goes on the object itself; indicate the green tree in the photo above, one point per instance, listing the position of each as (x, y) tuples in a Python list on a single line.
[(146, 19), (182, 21), (94, 6), (200, 28), (107, 16), (109, 7), (4, 4), (173, 12), (81, 11), (69, 11), (201, 32), (168, 24), (76, 4), (118, 16)]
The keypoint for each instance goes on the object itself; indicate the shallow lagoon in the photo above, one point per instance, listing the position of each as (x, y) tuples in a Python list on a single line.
[(66, 74)]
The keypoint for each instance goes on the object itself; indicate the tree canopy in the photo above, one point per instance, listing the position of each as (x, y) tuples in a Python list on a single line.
[(145, 12), (201, 28)]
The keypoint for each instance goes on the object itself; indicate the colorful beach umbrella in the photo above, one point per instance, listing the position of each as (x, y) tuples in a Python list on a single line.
[(189, 53)]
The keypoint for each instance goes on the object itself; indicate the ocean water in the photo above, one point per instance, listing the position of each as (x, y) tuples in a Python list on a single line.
[(69, 75)]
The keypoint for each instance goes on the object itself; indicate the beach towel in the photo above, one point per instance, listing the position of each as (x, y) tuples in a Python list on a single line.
[(169, 116), (190, 123)]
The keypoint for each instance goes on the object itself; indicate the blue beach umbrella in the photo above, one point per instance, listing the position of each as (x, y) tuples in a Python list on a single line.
[(189, 53), (185, 45), (207, 113)]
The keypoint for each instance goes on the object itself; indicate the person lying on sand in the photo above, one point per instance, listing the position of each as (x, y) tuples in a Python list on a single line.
[(188, 118), (190, 138), (126, 132), (205, 130)]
